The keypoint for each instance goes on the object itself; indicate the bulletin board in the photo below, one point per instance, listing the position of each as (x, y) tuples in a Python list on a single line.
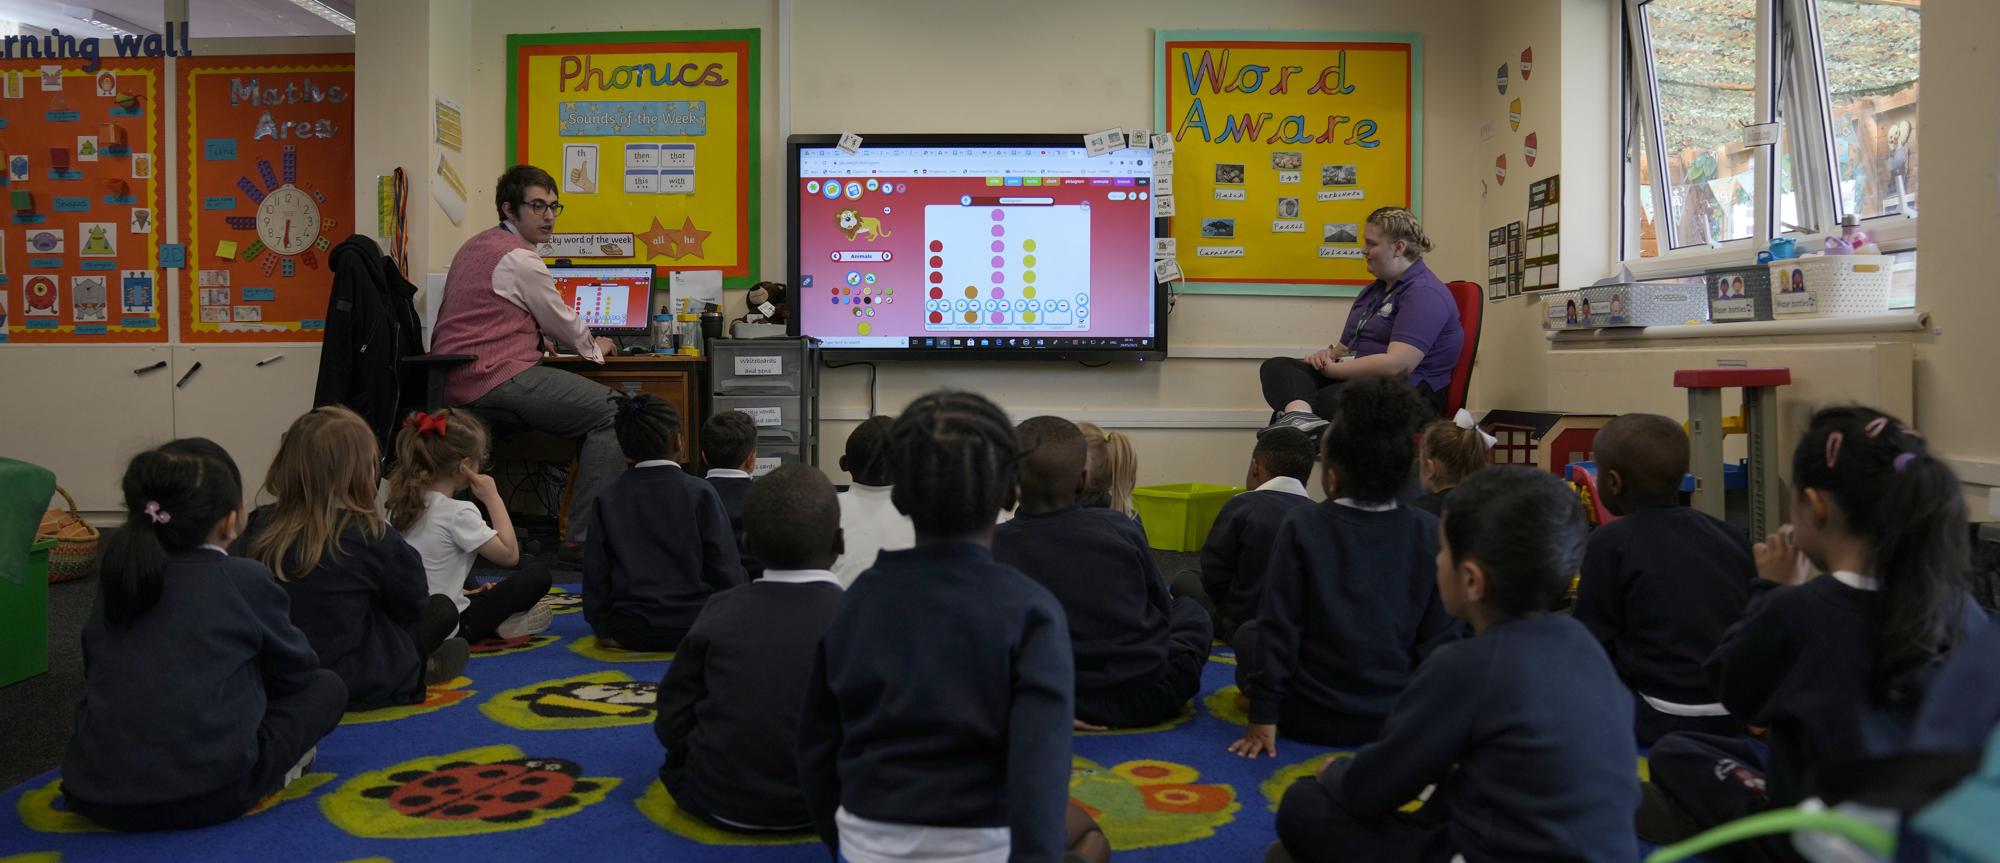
[(1283, 143), (267, 155), (79, 250), (654, 138)]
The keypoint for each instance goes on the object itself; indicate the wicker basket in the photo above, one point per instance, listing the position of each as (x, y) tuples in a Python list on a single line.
[(76, 541)]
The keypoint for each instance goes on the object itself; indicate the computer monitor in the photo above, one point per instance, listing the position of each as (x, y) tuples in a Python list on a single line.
[(611, 300), (974, 247)]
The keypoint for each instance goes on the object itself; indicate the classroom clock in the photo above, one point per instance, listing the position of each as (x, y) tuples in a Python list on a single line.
[(288, 220), (290, 229)]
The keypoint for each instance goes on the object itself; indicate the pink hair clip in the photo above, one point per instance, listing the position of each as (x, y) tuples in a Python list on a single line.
[(1876, 425), (154, 512), (1833, 440)]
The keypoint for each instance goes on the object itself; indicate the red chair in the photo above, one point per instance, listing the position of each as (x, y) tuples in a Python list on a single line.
[(1471, 306)]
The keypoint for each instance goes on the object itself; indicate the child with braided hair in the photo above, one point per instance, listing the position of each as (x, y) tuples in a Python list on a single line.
[(438, 456), (658, 543)]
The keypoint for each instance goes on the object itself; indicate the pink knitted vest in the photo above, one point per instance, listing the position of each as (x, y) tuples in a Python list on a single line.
[(472, 319)]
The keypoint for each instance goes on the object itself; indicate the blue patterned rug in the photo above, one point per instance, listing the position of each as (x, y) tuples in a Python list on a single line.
[(544, 750)]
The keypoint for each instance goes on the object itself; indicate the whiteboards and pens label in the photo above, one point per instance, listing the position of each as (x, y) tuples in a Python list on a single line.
[(760, 366)]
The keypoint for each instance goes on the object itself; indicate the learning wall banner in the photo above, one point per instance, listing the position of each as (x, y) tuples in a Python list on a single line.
[(267, 150), (79, 254), (653, 138), (1283, 143)]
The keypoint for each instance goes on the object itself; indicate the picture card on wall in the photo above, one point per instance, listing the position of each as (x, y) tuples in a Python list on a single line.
[(97, 239)]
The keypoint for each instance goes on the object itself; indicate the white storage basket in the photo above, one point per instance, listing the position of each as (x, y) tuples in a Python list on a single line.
[(1828, 285)]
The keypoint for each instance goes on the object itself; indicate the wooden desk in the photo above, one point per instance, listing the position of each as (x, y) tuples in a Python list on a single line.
[(680, 380)]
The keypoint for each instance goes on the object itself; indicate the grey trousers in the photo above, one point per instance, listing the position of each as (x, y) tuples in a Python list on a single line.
[(568, 405)]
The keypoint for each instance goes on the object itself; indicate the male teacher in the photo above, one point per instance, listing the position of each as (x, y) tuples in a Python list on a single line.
[(1403, 325), (500, 302)]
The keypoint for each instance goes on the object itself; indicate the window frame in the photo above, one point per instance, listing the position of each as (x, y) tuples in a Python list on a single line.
[(1792, 88)]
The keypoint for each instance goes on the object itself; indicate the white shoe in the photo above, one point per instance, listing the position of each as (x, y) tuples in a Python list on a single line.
[(531, 622), (305, 764)]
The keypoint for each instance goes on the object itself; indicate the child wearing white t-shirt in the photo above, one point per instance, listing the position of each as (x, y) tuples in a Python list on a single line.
[(437, 456), (869, 521)]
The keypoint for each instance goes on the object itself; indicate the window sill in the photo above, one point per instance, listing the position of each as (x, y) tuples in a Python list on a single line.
[(1909, 320)]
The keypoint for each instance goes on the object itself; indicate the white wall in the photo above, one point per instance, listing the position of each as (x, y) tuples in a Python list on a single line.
[(927, 66), (930, 66), (1959, 124)]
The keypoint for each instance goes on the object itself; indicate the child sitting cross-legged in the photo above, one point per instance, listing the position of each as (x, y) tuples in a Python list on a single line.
[(1349, 605), (869, 522), (659, 543), (1139, 653), (1452, 450), (358, 591), (200, 696), (1522, 729), (729, 447), (1662, 584), (730, 703), (1231, 580), (938, 712), (437, 456)]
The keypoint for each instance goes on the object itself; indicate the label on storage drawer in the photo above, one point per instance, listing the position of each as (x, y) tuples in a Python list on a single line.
[(760, 365), (765, 416), (766, 465)]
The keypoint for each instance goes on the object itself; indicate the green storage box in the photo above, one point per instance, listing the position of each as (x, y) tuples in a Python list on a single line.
[(1178, 516), (24, 618)]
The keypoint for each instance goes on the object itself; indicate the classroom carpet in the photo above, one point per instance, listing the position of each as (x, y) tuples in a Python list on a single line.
[(544, 749)]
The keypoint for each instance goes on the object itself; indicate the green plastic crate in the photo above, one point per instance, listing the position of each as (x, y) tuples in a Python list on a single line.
[(24, 618), (1178, 516)]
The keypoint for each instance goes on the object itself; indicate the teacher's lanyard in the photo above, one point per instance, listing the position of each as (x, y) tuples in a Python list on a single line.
[(1388, 298)]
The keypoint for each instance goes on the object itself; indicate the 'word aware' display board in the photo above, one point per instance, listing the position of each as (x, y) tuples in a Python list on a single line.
[(1283, 143)]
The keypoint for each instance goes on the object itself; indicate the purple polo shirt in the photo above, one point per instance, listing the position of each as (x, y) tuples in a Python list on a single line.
[(1418, 311)]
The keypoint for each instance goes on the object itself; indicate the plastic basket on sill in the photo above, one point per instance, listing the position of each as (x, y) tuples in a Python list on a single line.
[(1178, 516), (1831, 285)]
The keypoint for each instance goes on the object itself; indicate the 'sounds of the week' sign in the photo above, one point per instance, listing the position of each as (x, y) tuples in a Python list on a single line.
[(653, 140), (1283, 143)]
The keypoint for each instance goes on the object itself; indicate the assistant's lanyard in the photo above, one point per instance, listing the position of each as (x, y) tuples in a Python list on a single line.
[(1388, 297)]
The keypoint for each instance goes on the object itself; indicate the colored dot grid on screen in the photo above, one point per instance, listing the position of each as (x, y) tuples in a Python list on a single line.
[(1000, 286)]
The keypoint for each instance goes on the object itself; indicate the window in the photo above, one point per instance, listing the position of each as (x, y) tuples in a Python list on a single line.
[(1839, 77), (1704, 78), (1870, 50)]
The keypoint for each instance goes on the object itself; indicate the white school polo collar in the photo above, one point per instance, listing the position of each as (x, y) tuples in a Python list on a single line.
[(658, 462), (800, 576), (1351, 503), (727, 473), (1857, 580), (1285, 484)]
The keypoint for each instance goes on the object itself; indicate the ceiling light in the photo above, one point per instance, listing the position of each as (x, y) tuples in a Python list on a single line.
[(106, 21), (332, 11)]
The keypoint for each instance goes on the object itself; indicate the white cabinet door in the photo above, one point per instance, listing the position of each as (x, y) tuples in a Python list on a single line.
[(243, 397), (83, 411)]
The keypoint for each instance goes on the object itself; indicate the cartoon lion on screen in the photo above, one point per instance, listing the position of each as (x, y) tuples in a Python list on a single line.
[(853, 224)]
